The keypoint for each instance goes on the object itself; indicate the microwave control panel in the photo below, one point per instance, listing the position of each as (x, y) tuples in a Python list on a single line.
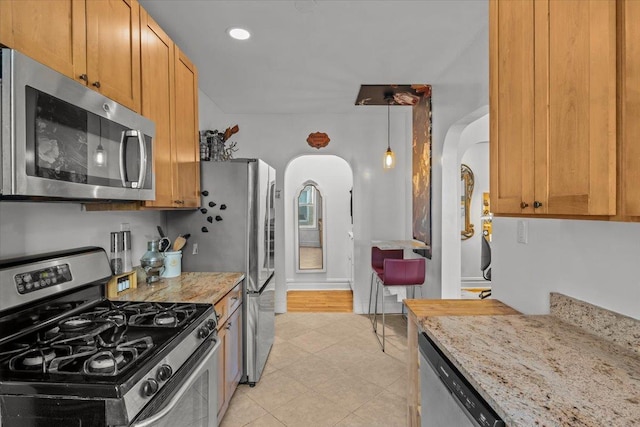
[(38, 279)]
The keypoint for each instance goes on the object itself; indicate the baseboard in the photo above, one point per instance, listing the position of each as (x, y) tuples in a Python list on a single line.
[(330, 284)]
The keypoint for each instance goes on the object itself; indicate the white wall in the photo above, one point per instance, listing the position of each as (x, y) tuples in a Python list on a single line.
[(477, 158), (28, 228), (334, 178), (593, 261), (382, 199)]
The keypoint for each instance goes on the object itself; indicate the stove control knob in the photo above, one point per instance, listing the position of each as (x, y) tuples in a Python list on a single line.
[(203, 332), (164, 372), (150, 387), (211, 324)]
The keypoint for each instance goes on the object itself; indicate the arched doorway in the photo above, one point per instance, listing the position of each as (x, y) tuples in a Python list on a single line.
[(470, 130), (333, 177)]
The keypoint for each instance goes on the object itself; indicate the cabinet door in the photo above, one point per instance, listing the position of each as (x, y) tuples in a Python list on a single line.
[(51, 32), (113, 50), (575, 117), (186, 151), (511, 81), (234, 352), (158, 94), (629, 132), (222, 369)]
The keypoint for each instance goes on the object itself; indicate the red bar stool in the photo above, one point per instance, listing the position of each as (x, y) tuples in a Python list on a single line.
[(377, 264), (397, 272)]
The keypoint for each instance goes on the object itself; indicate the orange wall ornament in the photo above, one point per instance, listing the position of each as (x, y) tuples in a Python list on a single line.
[(318, 140)]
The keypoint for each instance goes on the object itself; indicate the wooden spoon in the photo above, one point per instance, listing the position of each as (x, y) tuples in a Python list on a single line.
[(179, 243)]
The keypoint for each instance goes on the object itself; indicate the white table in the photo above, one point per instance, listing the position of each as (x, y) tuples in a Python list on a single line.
[(399, 244)]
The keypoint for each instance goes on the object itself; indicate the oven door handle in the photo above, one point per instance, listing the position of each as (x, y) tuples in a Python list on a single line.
[(182, 390)]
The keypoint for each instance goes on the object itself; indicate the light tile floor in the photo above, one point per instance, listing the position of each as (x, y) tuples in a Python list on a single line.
[(327, 369)]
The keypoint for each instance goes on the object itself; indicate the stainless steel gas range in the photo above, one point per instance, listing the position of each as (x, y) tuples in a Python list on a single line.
[(70, 357)]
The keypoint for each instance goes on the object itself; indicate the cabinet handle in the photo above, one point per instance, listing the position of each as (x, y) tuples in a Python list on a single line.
[(179, 202), (228, 325), (96, 84), (524, 205), (537, 204), (83, 77), (234, 298), (218, 316)]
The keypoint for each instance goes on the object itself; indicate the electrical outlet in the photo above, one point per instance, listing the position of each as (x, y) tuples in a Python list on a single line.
[(523, 232), (195, 249)]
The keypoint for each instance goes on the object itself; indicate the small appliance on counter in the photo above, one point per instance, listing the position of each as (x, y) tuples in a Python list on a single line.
[(152, 262), (69, 356)]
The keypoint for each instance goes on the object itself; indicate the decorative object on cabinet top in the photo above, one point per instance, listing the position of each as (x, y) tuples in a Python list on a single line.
[(213, 144)]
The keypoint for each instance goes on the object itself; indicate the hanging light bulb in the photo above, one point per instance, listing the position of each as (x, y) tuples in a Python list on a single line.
[(389, 160), (100, 157)]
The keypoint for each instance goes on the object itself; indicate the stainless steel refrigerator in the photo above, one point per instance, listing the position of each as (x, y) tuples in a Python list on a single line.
[(234, 231)]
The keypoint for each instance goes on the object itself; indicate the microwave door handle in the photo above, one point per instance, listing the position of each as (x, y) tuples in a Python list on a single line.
[(143, 159), (123, 171)]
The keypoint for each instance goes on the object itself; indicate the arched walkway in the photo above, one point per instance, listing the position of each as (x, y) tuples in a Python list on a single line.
[(334, 176), (469, 130)]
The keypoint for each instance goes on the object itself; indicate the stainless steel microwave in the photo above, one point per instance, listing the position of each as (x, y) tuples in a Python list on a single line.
[(62, 140)]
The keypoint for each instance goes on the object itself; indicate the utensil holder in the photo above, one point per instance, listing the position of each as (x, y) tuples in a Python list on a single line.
[(172, 264)]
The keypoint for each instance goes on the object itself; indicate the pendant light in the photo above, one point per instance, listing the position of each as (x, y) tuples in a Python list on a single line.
[(99, 156), (389, 160)]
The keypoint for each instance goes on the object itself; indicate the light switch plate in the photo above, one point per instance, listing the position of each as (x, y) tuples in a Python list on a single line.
[(523, 232), (195, 249)]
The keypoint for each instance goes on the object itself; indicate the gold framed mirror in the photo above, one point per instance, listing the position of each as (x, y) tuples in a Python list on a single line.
[(466, 192)]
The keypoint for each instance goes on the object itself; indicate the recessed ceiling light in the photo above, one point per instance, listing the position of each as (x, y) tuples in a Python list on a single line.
[(239, 33)]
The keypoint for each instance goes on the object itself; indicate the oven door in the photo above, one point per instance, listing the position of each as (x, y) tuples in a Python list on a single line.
[(192, 402)]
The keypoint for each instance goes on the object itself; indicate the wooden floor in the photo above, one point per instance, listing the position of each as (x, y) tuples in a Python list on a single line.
[(320, 301)]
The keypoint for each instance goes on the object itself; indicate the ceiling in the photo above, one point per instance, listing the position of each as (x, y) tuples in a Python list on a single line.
[(311, 56)]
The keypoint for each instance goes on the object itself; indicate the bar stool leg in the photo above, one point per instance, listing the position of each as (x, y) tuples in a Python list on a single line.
[(375, 309), (371, 296), (383, 320)]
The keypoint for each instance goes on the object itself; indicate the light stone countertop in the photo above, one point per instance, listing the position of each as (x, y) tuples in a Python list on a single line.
[(541, 370), (188, 287)]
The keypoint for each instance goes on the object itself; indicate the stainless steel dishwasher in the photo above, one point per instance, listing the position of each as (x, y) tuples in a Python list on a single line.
[(447, 398)]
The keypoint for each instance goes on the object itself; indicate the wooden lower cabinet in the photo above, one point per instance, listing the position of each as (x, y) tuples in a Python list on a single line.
[(229, 359), (230, 367)]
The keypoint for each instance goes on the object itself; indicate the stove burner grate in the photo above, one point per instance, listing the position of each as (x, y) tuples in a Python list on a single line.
[(38, 359), (169, 316)]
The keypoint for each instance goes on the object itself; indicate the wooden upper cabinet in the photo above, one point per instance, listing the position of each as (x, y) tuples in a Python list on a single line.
[(158, 93), (553, 107), (51, 32), (94, 42), (170, 99), (113, 49), (511, 41), (187, 149), (629, 90)]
